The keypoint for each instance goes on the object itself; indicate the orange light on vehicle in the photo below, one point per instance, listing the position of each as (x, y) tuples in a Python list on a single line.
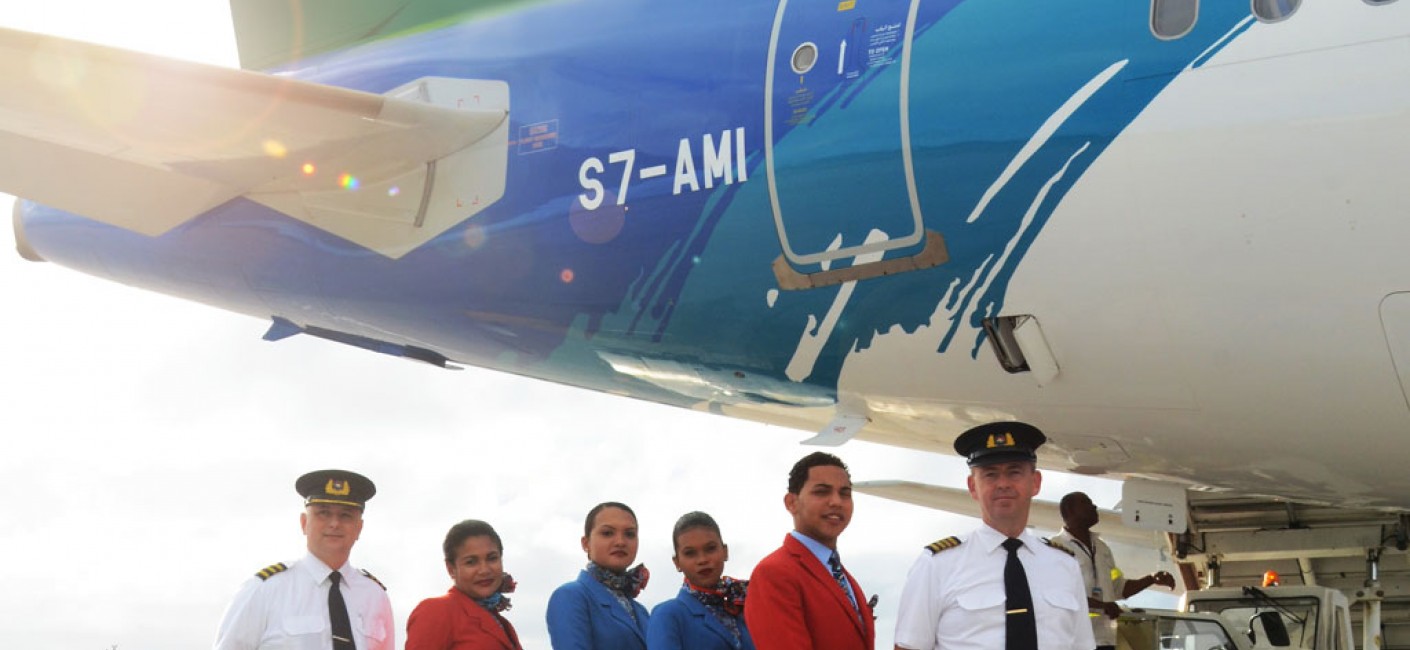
[(1270, 579)]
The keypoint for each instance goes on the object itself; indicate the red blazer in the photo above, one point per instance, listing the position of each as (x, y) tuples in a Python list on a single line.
[(455, 621), (794, 604)]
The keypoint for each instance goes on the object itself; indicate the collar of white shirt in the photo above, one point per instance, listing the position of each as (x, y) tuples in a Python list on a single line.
[(314, 569), (991, 541)]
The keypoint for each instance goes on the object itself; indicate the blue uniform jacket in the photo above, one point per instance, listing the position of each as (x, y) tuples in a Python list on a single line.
[(583, 615), (685, 623)]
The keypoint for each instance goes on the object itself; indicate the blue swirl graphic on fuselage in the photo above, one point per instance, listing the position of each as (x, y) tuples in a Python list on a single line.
[(985, 77), (681, 280)]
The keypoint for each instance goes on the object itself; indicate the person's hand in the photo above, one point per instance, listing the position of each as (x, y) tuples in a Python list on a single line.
[(1164, 579), (1112, 610)]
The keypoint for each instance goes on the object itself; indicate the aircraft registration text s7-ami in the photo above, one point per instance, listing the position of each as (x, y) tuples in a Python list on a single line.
[(1170, 234)]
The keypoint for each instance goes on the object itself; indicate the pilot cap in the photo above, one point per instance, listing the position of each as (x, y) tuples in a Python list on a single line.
[(335, 486), (999, 442)]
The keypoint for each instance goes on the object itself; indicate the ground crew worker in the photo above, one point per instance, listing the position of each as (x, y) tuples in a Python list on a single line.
[(1104, 582)]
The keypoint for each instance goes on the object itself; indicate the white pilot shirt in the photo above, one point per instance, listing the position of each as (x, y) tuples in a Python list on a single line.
[(289, 611), (1102, 579), (954, 598)]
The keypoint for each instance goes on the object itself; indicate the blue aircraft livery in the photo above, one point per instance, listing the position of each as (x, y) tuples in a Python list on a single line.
[(685, 199)]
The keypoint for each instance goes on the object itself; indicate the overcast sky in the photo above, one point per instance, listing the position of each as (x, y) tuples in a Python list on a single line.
[(152, 445)]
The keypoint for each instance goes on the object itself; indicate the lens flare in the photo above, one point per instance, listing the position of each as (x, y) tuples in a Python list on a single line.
[(275, 149), (348, 182), (474, 237), (566, 275), (309, 169)]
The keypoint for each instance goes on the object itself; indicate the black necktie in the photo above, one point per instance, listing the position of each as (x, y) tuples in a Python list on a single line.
[(338, 615), (1020, 630)]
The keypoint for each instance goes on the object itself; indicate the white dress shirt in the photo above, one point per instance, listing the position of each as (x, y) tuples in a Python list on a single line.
[(954, 598), (1103, 580), (289, 611)]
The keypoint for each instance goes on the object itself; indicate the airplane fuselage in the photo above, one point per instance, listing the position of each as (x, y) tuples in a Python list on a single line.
[(799, 212)]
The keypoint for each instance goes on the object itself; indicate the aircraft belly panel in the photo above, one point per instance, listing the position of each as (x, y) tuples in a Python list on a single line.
[(1395, 318)]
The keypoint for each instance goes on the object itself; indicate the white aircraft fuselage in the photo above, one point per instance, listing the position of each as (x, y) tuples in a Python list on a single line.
[(815, 217)]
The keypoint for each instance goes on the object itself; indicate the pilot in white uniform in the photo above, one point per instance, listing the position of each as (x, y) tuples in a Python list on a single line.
[(295, 606), (957, 595)]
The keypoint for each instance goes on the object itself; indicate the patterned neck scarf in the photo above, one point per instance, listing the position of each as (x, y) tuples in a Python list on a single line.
[(727, 596), (725, 602), (497, 602), (627, 584)]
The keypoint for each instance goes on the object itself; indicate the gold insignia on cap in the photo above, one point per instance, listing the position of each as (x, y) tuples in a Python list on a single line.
[(337, 488), (1001, 440)]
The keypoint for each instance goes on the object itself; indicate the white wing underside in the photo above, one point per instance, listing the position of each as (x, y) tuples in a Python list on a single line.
[(146, 143), (1043, 515)]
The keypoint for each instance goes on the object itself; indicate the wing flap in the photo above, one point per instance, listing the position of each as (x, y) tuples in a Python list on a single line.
[(146, 143), (1043, 515)]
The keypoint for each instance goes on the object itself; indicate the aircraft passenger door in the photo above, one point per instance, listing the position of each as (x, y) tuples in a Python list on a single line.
[(837, 150)]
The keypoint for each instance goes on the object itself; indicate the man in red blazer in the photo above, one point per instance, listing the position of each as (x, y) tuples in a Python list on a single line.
[(800, 596)]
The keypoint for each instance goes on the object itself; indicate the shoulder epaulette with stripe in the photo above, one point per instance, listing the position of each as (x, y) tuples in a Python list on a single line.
[(373, 578), (270, 570), (1059, 547), (942, 544)]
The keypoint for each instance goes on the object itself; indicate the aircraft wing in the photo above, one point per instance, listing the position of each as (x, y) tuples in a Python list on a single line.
[(146, 143), (1043, 515)]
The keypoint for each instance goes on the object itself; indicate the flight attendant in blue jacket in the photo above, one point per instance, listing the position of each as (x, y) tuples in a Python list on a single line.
[(598, 611), (708, 613)]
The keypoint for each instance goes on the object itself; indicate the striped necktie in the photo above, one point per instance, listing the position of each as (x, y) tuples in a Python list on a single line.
[(835, 563)]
